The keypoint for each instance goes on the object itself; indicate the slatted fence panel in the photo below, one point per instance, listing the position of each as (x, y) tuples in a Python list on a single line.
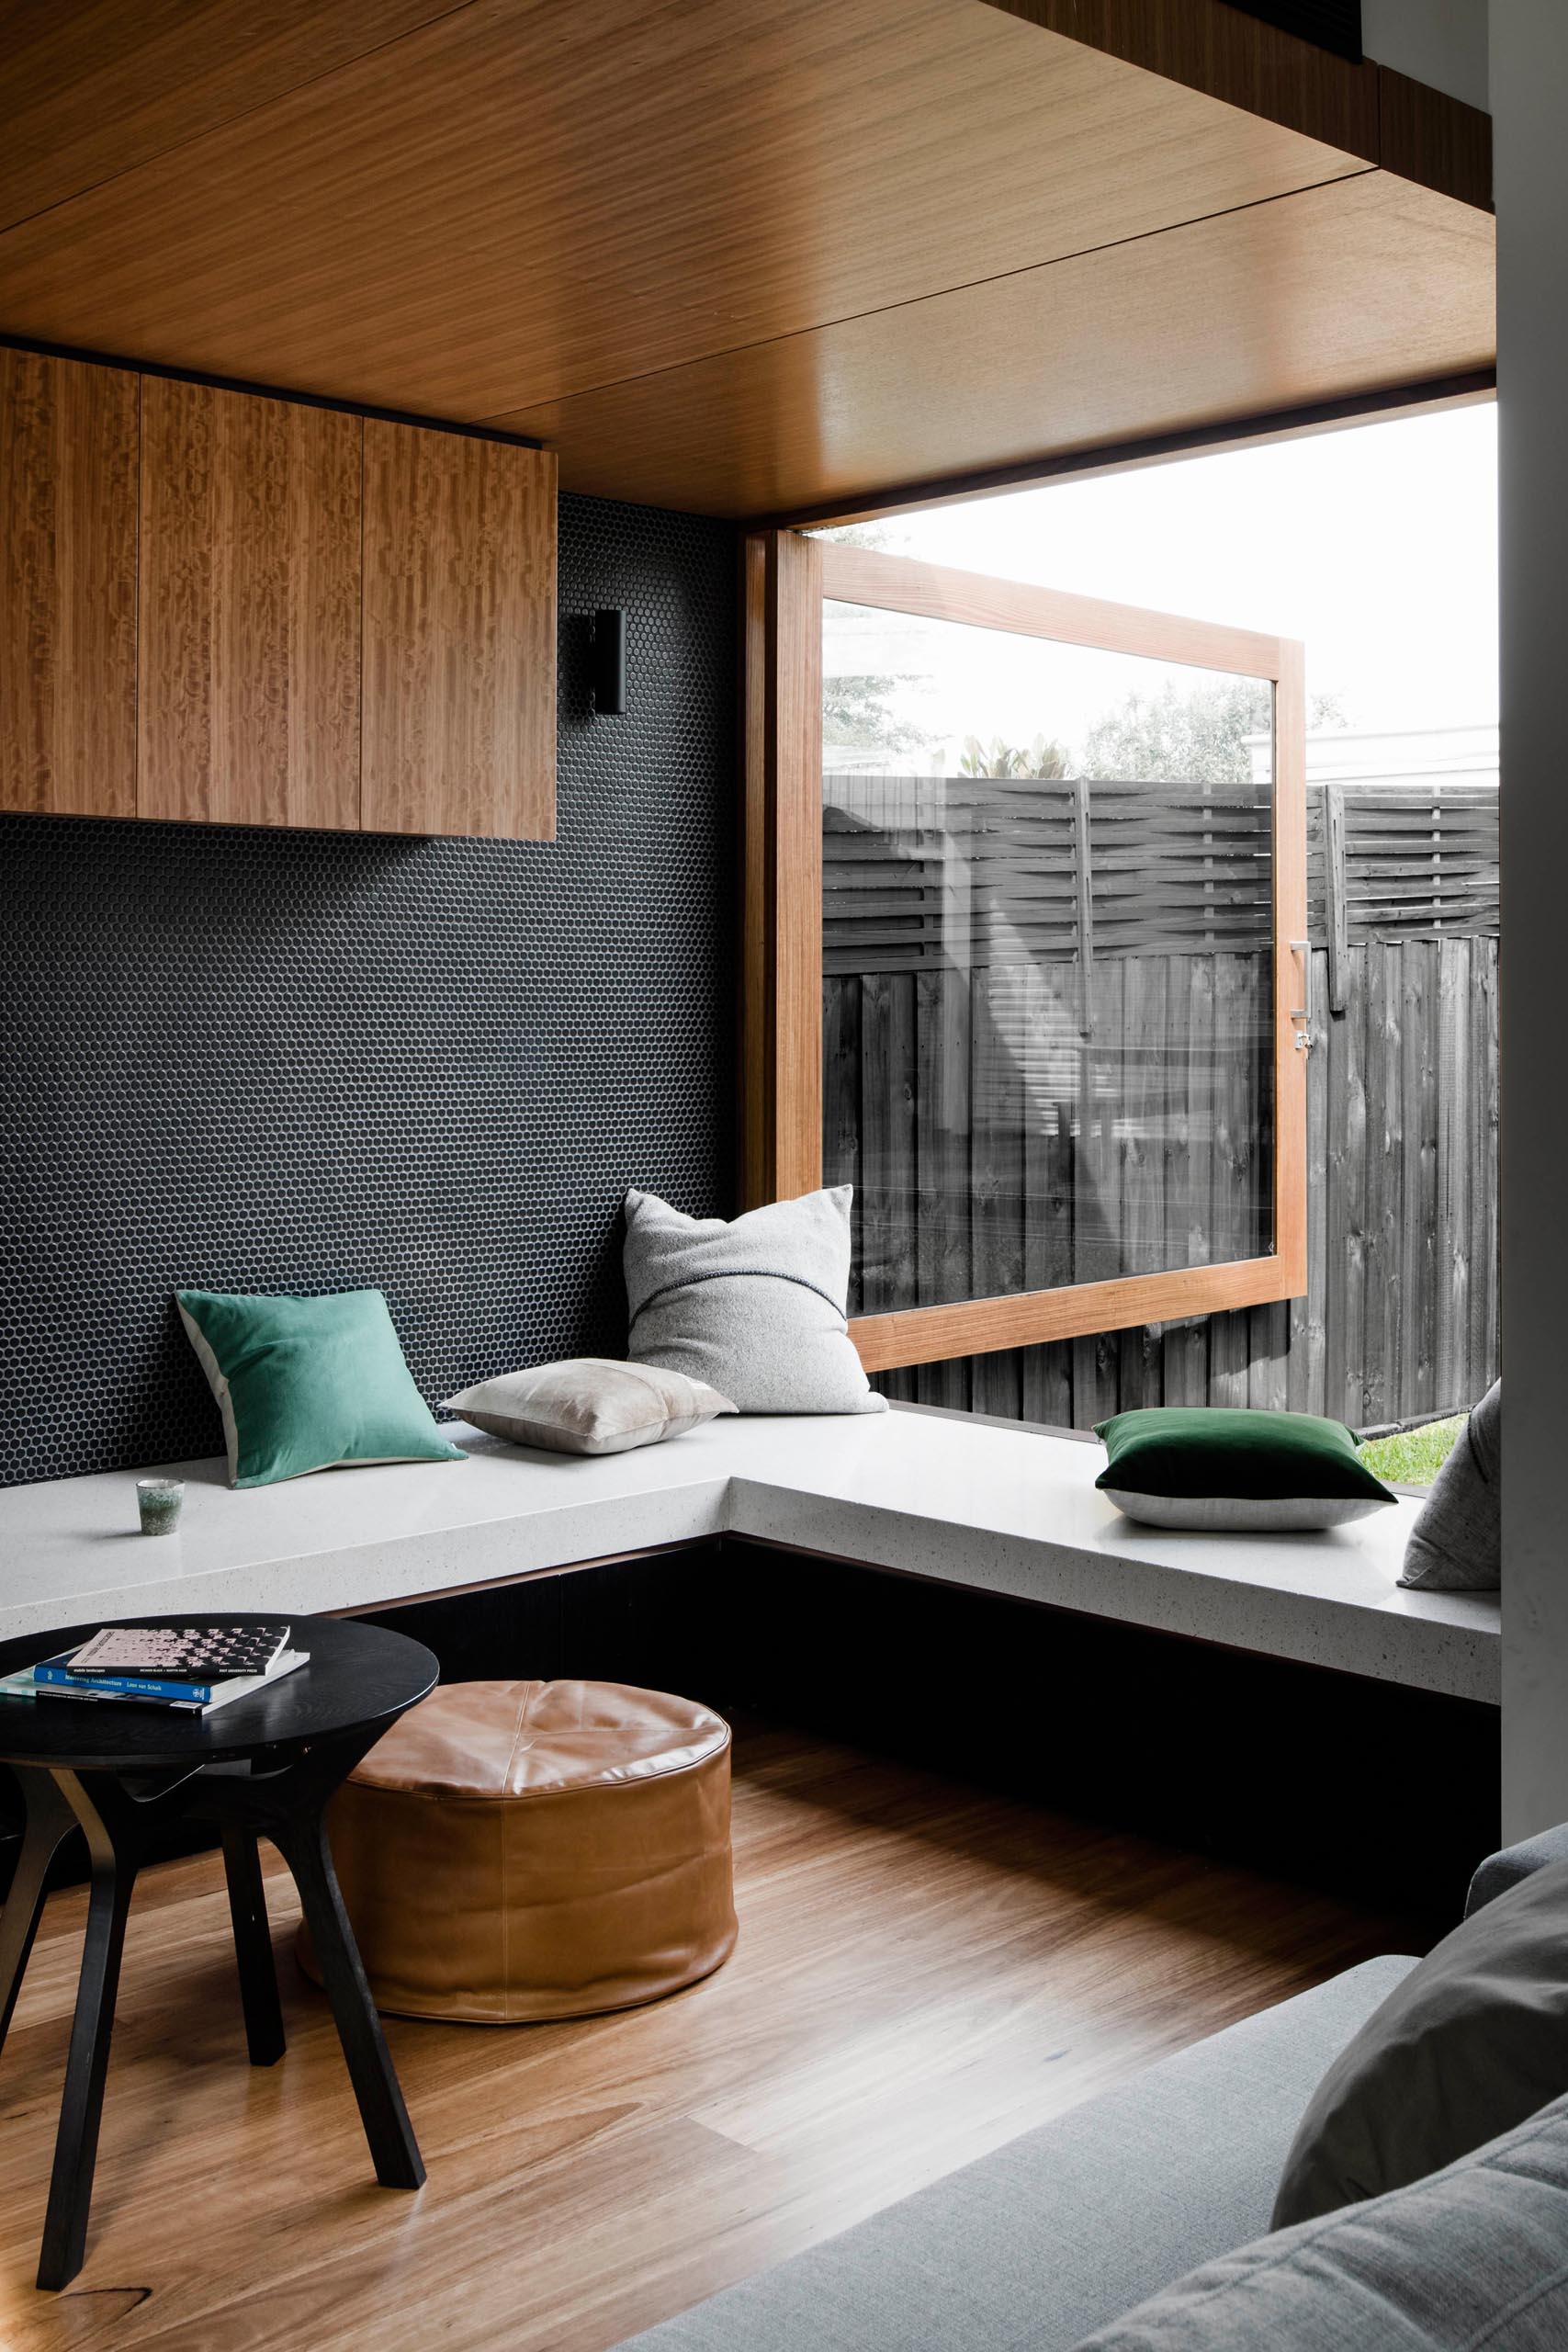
[(995, 1146)]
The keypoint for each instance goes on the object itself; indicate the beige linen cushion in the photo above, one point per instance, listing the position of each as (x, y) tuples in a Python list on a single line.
[(589, 1404)]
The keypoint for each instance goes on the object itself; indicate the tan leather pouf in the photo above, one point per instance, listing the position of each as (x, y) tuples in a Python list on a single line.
[(516, 1850)]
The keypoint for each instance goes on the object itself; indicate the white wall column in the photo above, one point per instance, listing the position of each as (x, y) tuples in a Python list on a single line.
[(1529, 104), (1442, 42)]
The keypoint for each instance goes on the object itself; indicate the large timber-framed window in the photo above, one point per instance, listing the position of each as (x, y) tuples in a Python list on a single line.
[(1048, 1017)]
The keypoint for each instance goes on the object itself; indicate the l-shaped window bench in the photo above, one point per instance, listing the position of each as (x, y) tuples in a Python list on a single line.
[(955, 1500)]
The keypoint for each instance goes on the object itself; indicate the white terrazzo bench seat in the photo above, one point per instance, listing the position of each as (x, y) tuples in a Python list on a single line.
[(965, 1502)]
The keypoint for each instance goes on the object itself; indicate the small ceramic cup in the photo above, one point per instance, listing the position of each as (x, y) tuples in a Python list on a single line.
[(159, 1500)]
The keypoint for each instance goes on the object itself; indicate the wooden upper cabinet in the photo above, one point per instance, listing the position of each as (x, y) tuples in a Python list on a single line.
[(250, 609), (459, 713), (68, 435), (196, 582)]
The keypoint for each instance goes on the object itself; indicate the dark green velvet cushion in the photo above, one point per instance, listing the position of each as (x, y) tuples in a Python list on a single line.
[(1219, 1467), (309, 1383)]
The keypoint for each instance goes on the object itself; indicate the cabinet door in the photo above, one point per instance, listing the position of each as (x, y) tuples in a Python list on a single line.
[(67, 586), (250, 609), (459, 727)]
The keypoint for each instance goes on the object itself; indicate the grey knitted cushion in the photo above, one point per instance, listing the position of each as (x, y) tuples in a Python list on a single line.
[(755, 1308), (1456, 1545), (1470, 2258)]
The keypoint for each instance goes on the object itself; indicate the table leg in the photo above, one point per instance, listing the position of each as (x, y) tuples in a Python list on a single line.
[(289, 1805), (253, 1945), (393, 2147), (115, 1842), (50, 1821)]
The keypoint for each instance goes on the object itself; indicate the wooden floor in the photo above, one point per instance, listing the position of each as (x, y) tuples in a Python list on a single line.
[(923, 1972)]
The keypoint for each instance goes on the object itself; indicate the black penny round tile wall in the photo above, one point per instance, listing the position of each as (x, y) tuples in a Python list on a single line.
[(243, 1059)]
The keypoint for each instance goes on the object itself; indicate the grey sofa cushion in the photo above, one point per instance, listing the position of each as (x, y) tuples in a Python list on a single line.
[(1473, 2256), (588, 1405), (1498, 1872), (755, 1308), (1471, 2044), (1456, 1545), (1060, 2230)]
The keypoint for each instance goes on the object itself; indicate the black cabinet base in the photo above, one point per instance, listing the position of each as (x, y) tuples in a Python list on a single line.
[(1291, 1770)]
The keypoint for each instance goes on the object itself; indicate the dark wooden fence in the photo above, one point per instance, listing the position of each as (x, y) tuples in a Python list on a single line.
[(1090, 1095)]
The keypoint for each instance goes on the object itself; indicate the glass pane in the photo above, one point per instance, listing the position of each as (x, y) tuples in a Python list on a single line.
[(1047, 960)]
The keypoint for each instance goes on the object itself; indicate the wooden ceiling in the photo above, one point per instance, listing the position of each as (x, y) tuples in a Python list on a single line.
[(736, 255)]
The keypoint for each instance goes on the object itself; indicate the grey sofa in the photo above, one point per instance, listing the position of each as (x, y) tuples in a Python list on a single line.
[(1066, 2228)]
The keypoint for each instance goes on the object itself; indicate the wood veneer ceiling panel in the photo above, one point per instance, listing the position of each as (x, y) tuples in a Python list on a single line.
[(527, 198), (89, 88), (1219, 50), (1346, 288)]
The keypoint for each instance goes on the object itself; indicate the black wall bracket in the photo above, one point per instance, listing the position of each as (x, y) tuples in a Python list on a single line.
[(609, 673)]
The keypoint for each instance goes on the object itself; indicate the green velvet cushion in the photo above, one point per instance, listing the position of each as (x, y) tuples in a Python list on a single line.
[(1204, 1451), (308, 1384)]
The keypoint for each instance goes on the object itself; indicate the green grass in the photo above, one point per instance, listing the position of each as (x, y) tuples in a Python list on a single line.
[(1413, 1457)]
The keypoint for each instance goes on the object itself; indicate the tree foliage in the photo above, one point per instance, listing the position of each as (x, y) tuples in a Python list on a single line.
[(857, 713), (998, 757), (1197, 737)]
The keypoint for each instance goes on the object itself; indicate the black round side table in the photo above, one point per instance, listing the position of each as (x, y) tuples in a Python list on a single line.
[(262, 1766)]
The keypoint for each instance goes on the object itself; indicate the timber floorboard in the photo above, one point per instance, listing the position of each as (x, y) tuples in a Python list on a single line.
[(924, 1970)]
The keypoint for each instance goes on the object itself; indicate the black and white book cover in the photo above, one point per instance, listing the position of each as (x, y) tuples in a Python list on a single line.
[(184, 1653)]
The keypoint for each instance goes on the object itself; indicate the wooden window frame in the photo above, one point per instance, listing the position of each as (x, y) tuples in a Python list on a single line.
[(786, 578)]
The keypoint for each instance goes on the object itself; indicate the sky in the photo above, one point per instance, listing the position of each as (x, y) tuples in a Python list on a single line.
[(1376, 546)]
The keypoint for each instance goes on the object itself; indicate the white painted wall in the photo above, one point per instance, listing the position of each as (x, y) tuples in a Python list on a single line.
[(1530, 106), (1439, 41)]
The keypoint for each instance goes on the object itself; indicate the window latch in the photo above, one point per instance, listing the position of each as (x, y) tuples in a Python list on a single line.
[(1303, 1012)]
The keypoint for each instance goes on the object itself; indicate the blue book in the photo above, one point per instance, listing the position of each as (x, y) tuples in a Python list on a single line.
[(56, 1672), (52, 1678)]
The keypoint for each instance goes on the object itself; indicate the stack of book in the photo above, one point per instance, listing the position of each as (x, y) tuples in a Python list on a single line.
[(190, 1669)]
